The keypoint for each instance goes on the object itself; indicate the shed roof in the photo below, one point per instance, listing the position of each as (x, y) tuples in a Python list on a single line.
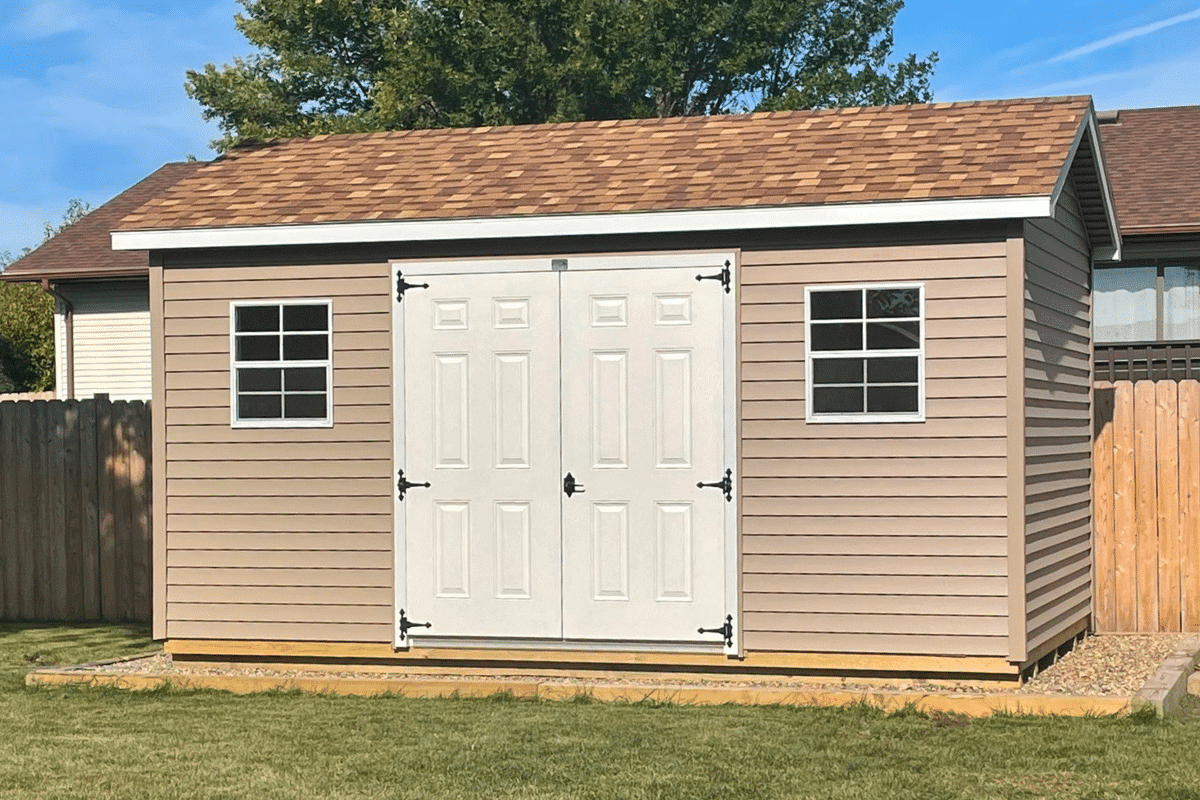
[(83, 250), (1153, 159), (1000, 148)]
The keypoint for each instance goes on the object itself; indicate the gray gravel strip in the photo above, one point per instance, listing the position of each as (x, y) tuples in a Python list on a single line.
[(1103, 665), (1106, 664)]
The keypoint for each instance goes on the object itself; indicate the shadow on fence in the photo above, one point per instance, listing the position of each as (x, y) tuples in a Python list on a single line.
[(75, 510)]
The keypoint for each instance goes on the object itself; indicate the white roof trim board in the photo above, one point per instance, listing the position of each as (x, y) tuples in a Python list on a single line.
[(682, 221)]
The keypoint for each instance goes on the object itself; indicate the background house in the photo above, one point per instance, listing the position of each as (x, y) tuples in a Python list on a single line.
[(102, 316), (1148, 305)]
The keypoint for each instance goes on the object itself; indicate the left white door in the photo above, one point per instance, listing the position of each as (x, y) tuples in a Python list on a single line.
[(481, 414)]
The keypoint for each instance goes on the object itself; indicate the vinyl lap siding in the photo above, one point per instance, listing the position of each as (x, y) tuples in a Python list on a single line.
[(111, 324), (876, 538), (1058, 425), (279, 534)]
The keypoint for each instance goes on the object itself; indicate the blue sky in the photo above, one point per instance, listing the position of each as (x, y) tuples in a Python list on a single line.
[(94, 100)]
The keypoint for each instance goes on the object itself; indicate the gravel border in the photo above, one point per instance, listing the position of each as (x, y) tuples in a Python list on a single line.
[(1105, 665)]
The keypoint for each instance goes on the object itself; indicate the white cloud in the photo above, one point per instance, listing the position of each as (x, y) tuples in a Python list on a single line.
[(50, 18), (1124, 36)]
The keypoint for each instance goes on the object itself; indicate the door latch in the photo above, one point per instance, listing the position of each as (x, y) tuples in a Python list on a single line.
[(570, 487), (724, 276), (725, 630), (406, 623), (725, 485), (404, 484)]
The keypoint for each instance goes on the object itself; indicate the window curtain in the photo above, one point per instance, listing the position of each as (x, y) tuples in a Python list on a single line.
[(1181, 303), (1126, 305)]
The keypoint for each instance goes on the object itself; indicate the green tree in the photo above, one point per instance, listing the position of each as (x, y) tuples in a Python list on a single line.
[(27, 321), (328, 66)]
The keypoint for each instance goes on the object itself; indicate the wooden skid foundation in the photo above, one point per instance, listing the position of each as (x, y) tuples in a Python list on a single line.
[(974, 705)]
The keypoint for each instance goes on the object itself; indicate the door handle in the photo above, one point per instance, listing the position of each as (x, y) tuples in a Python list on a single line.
[(570, 487)]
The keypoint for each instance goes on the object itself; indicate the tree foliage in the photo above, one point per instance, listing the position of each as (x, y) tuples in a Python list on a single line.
[(27, 321), (327, 66)]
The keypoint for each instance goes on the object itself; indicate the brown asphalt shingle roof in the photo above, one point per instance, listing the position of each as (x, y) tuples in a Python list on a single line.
[(84, 250), (1153, 161), (949, 150)]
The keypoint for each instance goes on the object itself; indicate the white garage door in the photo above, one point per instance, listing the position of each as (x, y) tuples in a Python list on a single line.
[(563, 419)]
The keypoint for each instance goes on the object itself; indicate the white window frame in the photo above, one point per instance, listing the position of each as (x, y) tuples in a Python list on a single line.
[(234, 365), (809, 358)]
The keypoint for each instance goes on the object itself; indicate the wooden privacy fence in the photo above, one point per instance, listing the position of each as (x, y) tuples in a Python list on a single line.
[(1147, 506), (75, 510)]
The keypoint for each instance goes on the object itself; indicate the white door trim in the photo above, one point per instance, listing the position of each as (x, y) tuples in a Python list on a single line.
[(701, 260), (704, 262)]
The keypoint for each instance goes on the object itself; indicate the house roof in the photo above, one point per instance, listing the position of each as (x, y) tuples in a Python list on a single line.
[(1153, 159), (84, 250), (990, 149)]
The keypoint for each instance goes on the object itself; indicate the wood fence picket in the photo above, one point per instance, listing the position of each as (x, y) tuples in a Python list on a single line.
[(1147, 506), (75, 480)]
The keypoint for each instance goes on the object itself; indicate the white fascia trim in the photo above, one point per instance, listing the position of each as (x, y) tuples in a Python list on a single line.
[(588, 224), (1088, 128)]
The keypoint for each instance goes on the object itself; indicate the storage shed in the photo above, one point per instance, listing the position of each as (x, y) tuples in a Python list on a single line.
[(784, 391)]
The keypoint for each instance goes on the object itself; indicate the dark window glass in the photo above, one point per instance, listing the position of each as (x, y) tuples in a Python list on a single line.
[(304, 406), (306, 318), (258, 348), (256, 318), (259, 406), (837, 336), (306, 348), (258, 380), (885, 399), (892, 370), (837, 399), (893, 303), (305, 379), (836, 305), (838, 370), (893, 335)]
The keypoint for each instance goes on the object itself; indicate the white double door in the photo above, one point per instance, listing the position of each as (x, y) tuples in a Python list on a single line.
[(515, 380)]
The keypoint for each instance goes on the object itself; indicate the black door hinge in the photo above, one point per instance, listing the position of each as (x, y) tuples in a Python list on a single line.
[(406, 623), (724, 276), (403, 286), (725, 630), (404, 484), (725, 485)]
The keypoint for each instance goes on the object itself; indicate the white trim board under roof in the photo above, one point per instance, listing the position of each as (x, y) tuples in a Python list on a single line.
[(588, 224)]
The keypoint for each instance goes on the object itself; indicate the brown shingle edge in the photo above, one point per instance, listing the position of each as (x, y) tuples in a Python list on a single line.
[(84, 250), (984, 149)]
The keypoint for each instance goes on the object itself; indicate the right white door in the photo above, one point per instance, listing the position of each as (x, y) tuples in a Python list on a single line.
[(643, 548)]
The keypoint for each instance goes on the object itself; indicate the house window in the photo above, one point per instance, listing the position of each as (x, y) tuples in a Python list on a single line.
[(1147, 302), (282, 369), (866, 350)]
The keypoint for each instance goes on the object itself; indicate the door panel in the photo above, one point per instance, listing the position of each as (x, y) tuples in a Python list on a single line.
[(643, 547), (481, 404)]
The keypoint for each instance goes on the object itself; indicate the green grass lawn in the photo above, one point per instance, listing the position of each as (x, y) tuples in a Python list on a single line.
[(95, 743)]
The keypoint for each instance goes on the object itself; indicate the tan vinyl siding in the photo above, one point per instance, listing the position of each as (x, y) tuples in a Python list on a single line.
[(111, 323), (276, 533), (1058, 425), (876, 537)]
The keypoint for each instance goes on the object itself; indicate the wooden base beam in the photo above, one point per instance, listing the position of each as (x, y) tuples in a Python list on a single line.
[(226, 650)]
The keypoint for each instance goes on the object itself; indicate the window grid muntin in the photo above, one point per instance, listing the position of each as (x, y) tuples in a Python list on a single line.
[(866, 354), (281, 364)]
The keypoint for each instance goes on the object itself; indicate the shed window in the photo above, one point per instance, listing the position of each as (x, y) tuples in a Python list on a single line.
[(865, 353), (282, 369), (1148, 302)]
